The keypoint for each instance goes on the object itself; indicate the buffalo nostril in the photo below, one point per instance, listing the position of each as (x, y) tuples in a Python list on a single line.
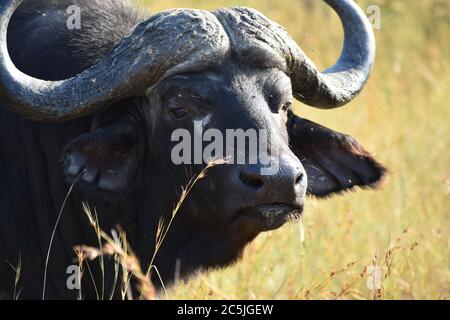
[(251, 180), (299, 179)]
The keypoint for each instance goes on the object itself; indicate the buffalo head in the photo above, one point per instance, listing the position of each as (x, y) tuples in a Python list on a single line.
[(232, 69)]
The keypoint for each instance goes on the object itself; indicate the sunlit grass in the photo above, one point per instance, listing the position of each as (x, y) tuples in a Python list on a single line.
[(403, 117)]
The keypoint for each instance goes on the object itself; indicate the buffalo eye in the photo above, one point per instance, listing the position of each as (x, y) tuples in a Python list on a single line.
[(180, 113)]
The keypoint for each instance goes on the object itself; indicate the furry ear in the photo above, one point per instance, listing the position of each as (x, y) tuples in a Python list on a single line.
[(334, 162), (106, 159)]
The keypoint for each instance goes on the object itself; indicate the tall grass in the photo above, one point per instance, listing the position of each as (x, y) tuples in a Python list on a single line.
[(117, 246), (403, 116)]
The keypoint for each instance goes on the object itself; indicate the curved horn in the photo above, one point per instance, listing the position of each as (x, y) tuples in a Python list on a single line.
[(175, 38), (336, 86), (342, 82)]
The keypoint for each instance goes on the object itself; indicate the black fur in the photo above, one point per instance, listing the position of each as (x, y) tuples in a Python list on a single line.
[(132, 138), (32, 183)]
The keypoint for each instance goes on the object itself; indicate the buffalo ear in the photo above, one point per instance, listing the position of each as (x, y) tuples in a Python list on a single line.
[(334, 162), (106, 161)]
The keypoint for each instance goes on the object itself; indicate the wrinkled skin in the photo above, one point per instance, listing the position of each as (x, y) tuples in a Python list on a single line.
[(122, 157)]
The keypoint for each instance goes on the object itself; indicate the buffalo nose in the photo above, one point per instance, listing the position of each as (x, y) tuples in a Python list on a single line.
[(286, 183), (252, 178)]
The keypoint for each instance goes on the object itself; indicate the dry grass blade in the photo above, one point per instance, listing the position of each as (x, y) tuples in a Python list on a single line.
[(17, 272), (52, 237), (164, 229)]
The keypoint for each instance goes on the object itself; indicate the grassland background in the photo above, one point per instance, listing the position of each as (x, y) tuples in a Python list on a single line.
[(403, 117)]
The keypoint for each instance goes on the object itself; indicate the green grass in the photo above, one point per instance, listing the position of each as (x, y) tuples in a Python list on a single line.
[(403, 117)]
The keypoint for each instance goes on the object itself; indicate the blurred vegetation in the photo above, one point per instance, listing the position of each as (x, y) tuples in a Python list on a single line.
[(403, 117)]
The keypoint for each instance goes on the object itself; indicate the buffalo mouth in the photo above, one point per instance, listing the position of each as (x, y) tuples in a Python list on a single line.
[(270, 216)]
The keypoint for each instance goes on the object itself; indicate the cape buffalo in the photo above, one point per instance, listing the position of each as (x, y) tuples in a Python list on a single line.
[(97, 106)]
